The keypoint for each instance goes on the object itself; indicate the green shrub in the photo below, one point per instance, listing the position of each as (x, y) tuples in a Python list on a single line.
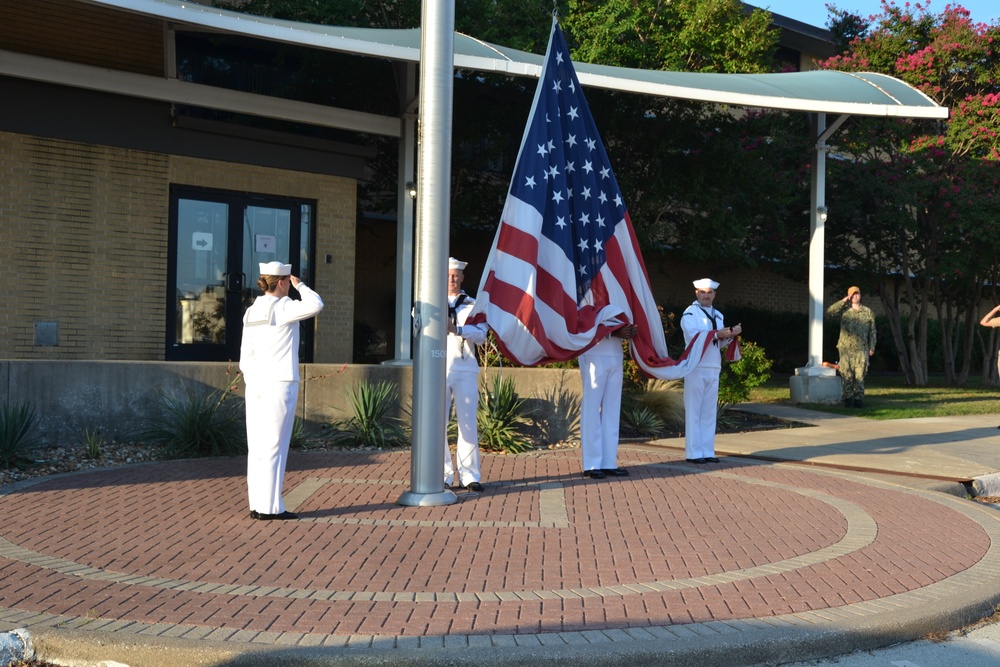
[(199, 425), (371, 424), (740, 377), (17, 419), (499, 417)]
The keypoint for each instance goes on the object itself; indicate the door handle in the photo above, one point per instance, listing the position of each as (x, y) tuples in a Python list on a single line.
[(234, 282)]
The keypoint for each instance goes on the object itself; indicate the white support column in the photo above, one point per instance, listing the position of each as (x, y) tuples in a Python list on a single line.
[(403, 336), (817, 245), (813, 383)]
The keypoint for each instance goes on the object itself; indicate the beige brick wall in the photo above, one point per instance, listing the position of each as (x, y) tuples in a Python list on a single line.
[(85, 230), (85, 234)]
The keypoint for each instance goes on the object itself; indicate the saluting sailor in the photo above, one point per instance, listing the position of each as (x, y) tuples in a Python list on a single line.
[(269, 360), (462, 381), (701, 386)]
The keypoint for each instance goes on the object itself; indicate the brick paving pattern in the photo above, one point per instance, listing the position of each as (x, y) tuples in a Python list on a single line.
[(168, 549)]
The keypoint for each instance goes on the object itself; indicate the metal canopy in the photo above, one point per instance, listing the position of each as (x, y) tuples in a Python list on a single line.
[(864, 94)]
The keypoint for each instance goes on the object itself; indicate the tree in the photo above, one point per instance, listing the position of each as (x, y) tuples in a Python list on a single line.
[(677, 35), (915, 198), (715, 183)]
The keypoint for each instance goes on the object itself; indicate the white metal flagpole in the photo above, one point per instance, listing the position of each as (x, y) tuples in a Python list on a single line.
[(437, 61)]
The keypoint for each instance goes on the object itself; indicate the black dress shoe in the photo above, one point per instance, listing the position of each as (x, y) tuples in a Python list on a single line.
[(474, 486), (711, 459), (284, 516), (698, 461), (615, 472), (594, 474)]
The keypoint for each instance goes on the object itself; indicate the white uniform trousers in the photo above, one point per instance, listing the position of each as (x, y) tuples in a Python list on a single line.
[(600, 410), (463, 389), (701, 401), (270, 416)]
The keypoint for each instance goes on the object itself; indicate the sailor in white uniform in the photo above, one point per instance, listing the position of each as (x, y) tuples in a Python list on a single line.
[(701, 386), (600, 405), (269, 360), (462, 381)]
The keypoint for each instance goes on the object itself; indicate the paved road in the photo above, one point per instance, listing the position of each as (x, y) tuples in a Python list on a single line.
[(979, 646), (743, 562)]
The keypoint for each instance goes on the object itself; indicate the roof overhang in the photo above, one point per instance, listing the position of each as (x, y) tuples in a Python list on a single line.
[(863, 94)]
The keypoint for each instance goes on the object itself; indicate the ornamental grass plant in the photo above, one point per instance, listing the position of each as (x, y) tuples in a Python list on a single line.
[(93, 442), (641, 420), (371, 423), (17, 422), (561, 421), (199, 424), (500, 417)]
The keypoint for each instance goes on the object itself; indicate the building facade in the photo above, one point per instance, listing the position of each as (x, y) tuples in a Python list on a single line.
[(132, 226)]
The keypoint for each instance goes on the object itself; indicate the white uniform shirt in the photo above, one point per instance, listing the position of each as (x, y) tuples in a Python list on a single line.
[(608, 346), (270, 346), (693, 321), (462, 348)]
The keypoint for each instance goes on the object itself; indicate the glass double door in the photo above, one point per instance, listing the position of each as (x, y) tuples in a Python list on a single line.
[(217, 242)]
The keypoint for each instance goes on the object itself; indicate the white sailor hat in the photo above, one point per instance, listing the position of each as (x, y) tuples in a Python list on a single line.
[(455, 265), (275, 269), (706, 283)]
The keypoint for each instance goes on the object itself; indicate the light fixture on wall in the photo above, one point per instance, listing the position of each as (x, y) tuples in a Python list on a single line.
[(823, 213), (411, 189)]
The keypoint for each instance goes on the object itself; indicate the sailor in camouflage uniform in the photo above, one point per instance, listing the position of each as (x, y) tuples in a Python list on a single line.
[(855, 345)]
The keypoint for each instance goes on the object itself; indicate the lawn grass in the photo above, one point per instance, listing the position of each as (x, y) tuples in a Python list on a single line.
[(888, 397)]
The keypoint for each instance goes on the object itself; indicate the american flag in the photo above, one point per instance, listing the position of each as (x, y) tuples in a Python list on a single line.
[(565, 268)]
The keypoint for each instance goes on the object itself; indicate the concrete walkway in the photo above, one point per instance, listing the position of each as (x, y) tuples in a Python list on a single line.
[(743, 562)]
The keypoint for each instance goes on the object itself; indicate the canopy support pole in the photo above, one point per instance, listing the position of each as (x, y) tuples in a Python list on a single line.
[(825, 388), (405, 202)]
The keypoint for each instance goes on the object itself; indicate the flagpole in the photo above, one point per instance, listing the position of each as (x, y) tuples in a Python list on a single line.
[(437, 61)]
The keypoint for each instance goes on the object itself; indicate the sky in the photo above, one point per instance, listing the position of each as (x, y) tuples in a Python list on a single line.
[(814, 12)]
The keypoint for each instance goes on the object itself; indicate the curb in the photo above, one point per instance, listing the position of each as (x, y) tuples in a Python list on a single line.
[(755, 642)]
